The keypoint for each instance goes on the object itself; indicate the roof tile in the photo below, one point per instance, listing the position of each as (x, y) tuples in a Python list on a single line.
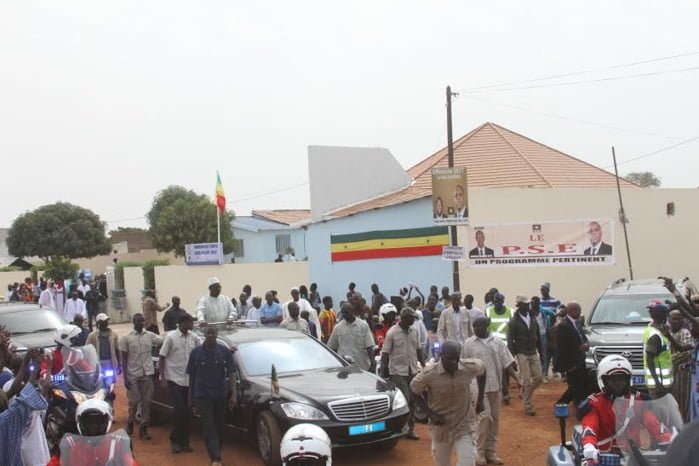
[(496, 157)]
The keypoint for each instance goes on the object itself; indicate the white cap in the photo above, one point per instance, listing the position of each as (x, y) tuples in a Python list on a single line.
[(213, 281), (523, 299), (101, 316), (294, 288)]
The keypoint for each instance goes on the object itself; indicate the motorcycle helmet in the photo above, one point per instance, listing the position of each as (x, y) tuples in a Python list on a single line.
[(612, 365), (93, 417), (385, 309), (306, 445), (67, 335)]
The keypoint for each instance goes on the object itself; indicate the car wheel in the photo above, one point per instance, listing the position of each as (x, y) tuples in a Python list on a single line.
[(420, 416), (269, 438)]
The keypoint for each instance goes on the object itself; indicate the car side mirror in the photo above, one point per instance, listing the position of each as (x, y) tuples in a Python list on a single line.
[(349, 358)]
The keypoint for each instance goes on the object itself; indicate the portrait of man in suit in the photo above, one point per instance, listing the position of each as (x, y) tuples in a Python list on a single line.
[(480, 250), (460, 208), (597, 246)]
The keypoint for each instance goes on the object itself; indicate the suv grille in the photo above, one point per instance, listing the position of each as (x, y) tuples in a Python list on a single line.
[(360, 409), (633, 353)]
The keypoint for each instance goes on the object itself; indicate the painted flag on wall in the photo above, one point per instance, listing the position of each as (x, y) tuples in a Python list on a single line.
[(389, 244), (220, 196)]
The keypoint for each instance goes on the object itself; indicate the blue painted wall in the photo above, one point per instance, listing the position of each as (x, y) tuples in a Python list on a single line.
[(390, 274), (261, 246)]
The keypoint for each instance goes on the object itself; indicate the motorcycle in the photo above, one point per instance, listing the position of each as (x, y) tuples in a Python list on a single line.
[(638, 439), (80, 380)]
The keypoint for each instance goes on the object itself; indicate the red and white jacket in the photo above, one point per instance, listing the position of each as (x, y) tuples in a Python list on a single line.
[(599, 421)]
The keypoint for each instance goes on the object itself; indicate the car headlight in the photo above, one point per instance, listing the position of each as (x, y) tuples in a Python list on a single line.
[(303, 411), (399, 401)]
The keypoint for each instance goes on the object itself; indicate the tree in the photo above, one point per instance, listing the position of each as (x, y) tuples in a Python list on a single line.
[(57, 233), (644, 179), (180, 216)]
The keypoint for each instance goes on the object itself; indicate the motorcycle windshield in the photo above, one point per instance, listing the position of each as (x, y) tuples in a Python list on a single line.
[(646, 425), (82, 368), (112, 449)]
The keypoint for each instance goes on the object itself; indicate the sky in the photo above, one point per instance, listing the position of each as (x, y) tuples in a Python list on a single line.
[(105, 103)]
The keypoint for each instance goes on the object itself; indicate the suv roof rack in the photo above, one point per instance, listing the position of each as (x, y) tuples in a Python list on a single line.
[(617, 282)]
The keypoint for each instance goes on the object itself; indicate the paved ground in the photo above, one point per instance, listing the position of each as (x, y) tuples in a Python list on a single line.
[(523, 440)]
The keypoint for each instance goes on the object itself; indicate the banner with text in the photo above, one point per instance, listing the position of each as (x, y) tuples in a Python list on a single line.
[(449, 196), (203, 254), (535, 244)]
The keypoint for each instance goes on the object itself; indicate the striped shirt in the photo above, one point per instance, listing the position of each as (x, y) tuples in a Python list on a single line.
[(13, 420)]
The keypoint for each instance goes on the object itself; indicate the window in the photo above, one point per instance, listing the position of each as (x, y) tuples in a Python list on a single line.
[(287, 355), (238, 248), (283, 243)]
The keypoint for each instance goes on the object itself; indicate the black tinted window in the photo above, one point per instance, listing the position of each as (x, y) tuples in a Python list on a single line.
[(287, 355), (625, 309), (31, 320)]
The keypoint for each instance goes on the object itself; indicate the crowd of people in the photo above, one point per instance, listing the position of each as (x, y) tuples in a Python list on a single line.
[(463, 356)]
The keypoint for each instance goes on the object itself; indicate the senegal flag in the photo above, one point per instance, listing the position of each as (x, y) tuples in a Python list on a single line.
[(389, 244), (220, 196)]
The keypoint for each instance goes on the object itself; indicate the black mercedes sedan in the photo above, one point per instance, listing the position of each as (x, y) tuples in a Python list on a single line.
[(315, 385)]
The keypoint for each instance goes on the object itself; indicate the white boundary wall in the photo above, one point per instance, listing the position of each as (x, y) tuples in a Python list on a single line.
[(190, 282)]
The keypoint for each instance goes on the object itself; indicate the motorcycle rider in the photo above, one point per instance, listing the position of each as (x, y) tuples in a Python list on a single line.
[(597, 411), (66, 336), (387, 317), (95, 445)]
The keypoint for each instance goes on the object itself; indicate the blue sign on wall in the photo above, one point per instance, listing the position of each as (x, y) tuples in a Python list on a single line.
[(203, 254)]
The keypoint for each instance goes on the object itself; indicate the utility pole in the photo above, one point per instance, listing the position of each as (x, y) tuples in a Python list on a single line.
[(622, 214), (450, 151)]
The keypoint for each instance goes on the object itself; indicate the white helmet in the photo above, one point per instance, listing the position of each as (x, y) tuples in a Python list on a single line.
[(385, 309), (610, 365), (307, 445), (65, 335), (94, 408)]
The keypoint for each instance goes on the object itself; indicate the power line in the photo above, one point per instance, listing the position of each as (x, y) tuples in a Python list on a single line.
[(577, 73), (587, 81), (686, 141), (567, 118), (288, 188)]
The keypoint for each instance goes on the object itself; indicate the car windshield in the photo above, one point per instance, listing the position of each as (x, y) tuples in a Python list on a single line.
[(31, 321), (287, 355), (625, 309)]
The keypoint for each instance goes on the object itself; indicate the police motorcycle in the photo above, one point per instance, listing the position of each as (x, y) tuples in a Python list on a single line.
[(643, 431), (79, 381)]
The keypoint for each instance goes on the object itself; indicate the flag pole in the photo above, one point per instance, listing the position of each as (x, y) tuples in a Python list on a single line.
[(218, 230)]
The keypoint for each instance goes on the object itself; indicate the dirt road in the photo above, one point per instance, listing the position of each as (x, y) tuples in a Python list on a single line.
[(523, 441)]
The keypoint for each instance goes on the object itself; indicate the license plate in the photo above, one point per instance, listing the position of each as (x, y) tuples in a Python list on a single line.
[(638, 380), (367, 428)]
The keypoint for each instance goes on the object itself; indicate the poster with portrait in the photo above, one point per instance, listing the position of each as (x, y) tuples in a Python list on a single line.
[(449, 196), (536, 244)]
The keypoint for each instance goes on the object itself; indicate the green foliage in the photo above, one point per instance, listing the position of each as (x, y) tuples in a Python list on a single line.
[(644, 179), (35, 271), (149, 272), (180, 216), (58, 230), (128, 230), (119, 272), (11, 268), (60, 268)]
